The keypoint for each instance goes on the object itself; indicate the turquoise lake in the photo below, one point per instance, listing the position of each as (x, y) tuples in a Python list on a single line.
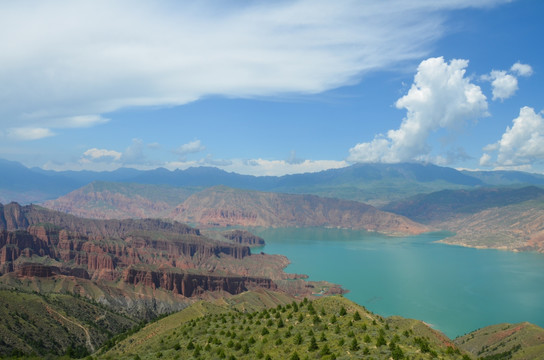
[(454, 289)]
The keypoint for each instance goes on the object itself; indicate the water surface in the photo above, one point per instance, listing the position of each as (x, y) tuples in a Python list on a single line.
[(455, 289)]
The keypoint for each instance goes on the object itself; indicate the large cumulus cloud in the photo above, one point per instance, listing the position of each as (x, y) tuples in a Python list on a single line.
[(440, 97)]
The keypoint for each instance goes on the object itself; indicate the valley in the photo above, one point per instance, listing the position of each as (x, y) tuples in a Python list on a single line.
[(125, 247)]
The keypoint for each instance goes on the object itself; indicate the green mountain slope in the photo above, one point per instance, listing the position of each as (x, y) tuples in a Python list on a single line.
[(55, 324), (327, 328), (505, 341), (447, 204)]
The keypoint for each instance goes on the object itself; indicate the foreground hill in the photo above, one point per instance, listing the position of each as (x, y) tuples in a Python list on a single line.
[(222, 206), (505, 341), (55, 324), (327, 328)]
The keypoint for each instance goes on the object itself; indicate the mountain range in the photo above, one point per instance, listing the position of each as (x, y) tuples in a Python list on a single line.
[(375, 184)]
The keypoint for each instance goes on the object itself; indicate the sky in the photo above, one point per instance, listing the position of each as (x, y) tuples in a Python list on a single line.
[(272, 88)]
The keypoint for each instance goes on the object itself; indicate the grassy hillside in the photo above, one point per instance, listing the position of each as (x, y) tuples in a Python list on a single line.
[(327, 328), (505, 341), (55, 324)]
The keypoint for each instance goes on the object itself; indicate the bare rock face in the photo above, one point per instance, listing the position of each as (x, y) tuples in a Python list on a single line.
[(188, 284), (243, 237), (45, 271), (148, 252)]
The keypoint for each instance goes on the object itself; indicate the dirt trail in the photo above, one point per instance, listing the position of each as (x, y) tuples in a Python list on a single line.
[(87, 335)]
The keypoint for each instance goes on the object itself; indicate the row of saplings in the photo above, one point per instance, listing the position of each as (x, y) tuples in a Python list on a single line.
[(288, 332)]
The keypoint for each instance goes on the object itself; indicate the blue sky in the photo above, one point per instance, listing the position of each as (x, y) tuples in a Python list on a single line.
[(272, 88)]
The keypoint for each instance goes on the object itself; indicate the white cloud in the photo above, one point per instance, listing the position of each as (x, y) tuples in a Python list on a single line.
[(95, 154), (262, 167), (522, 69), (134, 154), (504, 85), (440, 97), (485, 159), (81, 121), (67, 59), (520, 145), (190, 148), (29, 133)]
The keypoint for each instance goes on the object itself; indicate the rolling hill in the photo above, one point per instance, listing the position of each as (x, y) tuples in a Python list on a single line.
[(222, 206), (501, 218), (110, 200), (326, 328)]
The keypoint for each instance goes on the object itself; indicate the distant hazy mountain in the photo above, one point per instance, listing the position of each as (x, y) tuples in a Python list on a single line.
[(503, 177), (447, 204), (19, 183), (376, 184)]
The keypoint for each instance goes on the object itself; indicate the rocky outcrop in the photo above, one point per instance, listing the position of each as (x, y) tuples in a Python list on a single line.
[(243, 237), (44, 271), (107, 250), (101, 258), (188, 284), (16, 217)]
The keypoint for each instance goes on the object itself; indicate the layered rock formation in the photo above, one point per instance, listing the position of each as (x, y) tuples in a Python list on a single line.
[(104, 249), (243, 237), (188, 284), (147, 255)]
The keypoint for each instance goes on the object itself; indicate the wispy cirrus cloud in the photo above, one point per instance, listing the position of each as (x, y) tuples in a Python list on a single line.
[(78, 60), (29, 133)]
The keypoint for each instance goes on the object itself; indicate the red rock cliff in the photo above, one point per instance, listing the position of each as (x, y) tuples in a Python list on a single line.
[(189, 285)]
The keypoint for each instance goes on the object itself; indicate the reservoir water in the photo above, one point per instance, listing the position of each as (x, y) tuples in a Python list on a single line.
[(454, 289)]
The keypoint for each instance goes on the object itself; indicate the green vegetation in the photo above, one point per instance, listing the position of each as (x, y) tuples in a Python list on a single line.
[(289, 331), (505, 341), (55, 324)]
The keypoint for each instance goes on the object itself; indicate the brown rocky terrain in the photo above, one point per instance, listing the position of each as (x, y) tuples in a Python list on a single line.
[(107, 200), (120, 261), (222, 206), (518, 227), (498, 218)]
